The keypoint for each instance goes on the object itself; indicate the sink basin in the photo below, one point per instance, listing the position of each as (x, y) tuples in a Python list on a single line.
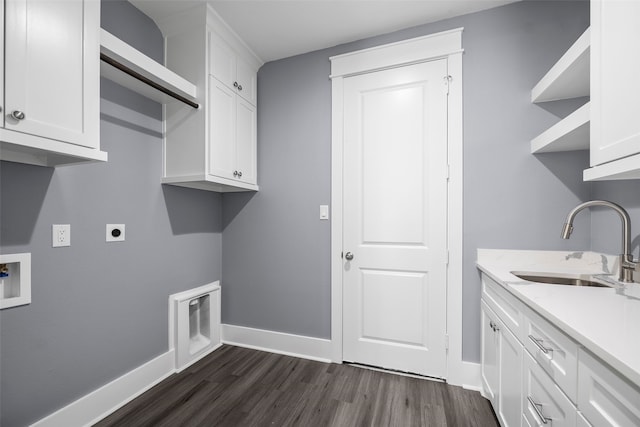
[(561, 279)]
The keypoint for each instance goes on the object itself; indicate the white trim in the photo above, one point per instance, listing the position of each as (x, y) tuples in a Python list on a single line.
[(105, 400), (278, 342), (397, 54), (459, 372)]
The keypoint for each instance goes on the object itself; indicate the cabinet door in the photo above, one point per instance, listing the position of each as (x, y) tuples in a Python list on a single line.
[(510, 379), (489, 364), (2, 64), (615, 87), (246, 141), (52, 69), (542, 400), (247, 81), (222, 60), (222, 130)]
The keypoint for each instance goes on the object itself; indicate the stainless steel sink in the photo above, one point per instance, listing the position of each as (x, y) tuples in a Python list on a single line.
[(562, 279)]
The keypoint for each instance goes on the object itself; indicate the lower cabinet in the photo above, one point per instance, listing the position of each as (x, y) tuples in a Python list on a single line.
[(542, 377), (542, 400), (501, 357)]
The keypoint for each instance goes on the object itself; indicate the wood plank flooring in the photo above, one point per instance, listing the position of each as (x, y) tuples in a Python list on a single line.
[(236, 386)]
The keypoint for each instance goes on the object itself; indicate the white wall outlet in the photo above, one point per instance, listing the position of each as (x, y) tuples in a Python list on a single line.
[(60, 235), (324, 211), (115, 232)]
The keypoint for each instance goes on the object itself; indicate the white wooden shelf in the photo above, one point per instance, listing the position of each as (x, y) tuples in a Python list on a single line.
[(135, 60), (626, 168), (210, 183), (569, 77), (569, 134)]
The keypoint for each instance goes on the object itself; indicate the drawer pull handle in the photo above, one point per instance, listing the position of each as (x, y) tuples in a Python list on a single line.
[(537, 408), (538, 342)]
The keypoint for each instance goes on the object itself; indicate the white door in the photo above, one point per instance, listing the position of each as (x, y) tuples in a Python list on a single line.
[(395, 218)]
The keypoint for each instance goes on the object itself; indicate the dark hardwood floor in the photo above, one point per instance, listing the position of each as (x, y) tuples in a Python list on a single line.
[(235, 386)]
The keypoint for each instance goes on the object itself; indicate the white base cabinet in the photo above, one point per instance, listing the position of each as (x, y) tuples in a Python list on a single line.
[(501, 358), (535, 375), (51, 110)]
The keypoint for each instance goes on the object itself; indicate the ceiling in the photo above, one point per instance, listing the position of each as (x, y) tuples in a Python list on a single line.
[(276, 29)]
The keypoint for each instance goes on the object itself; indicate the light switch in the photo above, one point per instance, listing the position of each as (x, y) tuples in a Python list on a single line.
[(324, 211)]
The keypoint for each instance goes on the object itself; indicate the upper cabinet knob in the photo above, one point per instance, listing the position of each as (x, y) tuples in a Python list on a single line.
[(239, 87), (235, 84), (17, 114), (239, 174), (348, 256), (235, 173)]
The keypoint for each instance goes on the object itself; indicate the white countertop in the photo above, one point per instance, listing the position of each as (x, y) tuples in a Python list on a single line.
[(606, 321)]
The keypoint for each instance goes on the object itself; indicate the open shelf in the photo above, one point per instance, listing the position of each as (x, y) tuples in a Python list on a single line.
[(569, 134), (117, 50), (569, 77)]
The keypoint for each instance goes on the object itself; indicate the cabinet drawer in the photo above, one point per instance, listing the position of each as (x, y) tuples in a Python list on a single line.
[(542, 399), (505, 305), (605, 398), (556, 353)]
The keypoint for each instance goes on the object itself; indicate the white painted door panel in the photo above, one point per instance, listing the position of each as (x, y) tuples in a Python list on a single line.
[(615, 66), (222, 129), (246, 141), (52, 72), (395, 218)]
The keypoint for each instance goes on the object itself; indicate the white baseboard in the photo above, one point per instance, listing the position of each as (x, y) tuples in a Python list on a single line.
[(277, 342), (466, 375), (105, 400)]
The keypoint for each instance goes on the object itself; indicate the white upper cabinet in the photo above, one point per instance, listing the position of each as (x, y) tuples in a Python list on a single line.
[(214, 147), (230, 68), (615, 90), (51, 108)]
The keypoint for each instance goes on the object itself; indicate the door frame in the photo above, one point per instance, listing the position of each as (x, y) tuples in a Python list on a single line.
[(447, 45)]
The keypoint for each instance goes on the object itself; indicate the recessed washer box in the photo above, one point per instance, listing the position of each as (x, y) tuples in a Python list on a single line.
[(15, 280)]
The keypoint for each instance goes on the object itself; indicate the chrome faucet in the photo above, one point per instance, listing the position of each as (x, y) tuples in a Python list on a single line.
[(627, 264)]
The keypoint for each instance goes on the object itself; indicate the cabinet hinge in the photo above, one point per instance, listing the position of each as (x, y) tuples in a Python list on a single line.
[(447, 82)]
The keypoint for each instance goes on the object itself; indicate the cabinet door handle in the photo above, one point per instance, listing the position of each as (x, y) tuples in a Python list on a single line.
[(538, 342), (537, 408), (235, 84), (239, 174), (239, 87), (235, 173), (17, 114)]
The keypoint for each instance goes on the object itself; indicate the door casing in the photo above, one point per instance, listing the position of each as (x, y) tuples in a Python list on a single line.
[(447, 45)]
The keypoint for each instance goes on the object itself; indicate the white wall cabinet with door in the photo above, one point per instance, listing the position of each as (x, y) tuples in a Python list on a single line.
[(215, 147), (615, 90), (51, 103)]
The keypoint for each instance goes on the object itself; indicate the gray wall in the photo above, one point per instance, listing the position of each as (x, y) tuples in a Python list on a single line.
[(605, 223), (276, 253), (100, 309)]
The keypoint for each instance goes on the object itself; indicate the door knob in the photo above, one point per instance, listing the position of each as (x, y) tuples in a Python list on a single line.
[(348, 256), (17, 114)]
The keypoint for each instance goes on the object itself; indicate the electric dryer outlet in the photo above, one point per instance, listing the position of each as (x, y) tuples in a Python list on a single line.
[(115, 232)]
